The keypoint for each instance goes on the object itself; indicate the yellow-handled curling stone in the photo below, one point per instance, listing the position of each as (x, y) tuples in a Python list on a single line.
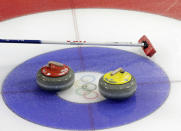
[(55, 76), (117, 84)]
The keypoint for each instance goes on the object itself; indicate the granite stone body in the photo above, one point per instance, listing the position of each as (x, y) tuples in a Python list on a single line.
[(117, 91), (55, 83)]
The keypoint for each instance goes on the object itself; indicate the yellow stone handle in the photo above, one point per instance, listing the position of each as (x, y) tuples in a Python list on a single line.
[(117, 70)]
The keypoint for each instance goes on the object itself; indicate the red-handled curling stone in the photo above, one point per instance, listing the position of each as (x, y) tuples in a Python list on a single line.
[(55, 76), (148, 47), (55, 69)]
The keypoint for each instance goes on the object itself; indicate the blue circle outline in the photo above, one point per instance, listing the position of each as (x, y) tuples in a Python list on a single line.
[(5, 92)]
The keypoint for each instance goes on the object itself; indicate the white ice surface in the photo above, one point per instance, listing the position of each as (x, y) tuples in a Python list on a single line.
[(96, 25), (84, 90)]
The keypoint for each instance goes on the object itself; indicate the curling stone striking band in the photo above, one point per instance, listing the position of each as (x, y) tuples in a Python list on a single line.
[(117, 85), (55, 76)]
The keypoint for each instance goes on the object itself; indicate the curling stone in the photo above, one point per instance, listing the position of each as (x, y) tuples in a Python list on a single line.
[(55, 76), (117, 85)]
